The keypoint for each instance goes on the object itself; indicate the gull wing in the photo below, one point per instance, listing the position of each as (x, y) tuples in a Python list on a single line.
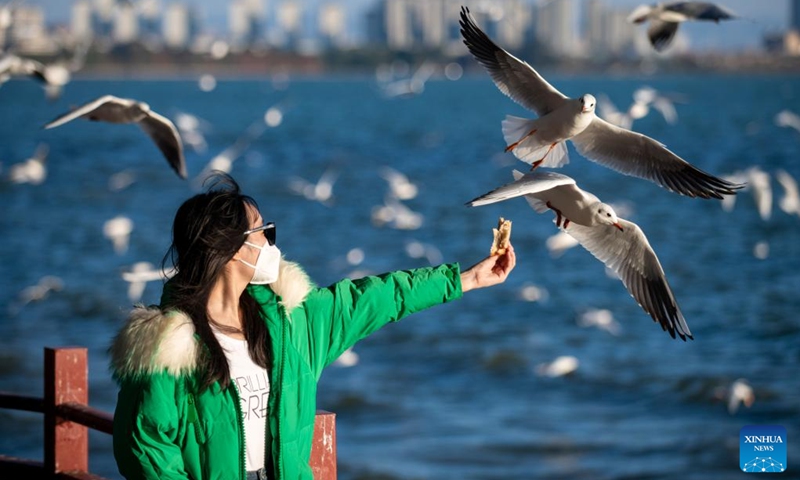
[(638, 155), (700, 11), (105, 108), (167, 139), (661, 33), (533, 182), (513, 77), (629, 255)]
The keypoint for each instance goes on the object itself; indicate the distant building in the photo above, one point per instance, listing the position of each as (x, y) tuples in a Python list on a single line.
[(433, 24), (332, 25), (788, 42), (791, 43), (176, 26), (28, 33), (555, 27), (507, 22), (608, 34), (103, 17), (81, 20), (399, 26), (246, 21), (238, 22), (289, 24), (126, 24), (794, 15), (149, 18)]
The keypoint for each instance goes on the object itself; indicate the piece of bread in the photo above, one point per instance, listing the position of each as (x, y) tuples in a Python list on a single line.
[(502, 236)]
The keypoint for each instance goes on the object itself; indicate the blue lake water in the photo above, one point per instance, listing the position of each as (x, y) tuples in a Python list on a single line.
[(451, 392)]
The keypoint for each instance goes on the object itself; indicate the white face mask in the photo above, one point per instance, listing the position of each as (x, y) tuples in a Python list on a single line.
[(266, 267)]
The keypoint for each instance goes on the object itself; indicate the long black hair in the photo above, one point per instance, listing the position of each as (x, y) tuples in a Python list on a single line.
[(207, 232)]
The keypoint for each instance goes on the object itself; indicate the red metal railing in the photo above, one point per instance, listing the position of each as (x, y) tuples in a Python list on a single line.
[(67, 418)]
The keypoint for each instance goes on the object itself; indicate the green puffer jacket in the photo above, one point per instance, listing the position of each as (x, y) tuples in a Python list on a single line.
[(164, 428)]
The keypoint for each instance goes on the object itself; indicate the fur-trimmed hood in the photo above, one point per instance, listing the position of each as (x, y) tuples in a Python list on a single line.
[(153, 341)]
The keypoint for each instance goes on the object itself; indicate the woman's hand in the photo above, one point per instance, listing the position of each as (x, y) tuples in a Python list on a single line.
[(489, 271)]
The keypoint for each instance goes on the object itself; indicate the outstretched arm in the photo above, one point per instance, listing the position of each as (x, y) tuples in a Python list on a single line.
[(489, 271)]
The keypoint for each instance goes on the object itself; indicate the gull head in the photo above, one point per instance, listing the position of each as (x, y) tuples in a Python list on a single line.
[(142, 107), (640, 14), (605, 215), (588, 102)]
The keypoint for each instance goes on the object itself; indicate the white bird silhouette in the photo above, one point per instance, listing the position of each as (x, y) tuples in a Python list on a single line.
[(561, 366), (32, 170), (600, 318), (36, 293), (758, 182), (400, 186), (786, 118), (396, 214), (559, 243), (139, 274), (121, 180), (737, 393), (57, 74), (412, 86), (321, 192), (40, 291), (533, 293), (790, 202), (417, 249), (192, 131), (542, 141), (12, 65), (118, 230), (347, 359), (643, 99), (224, 160)]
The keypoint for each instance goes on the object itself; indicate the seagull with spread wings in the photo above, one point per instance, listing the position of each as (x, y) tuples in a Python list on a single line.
[(541, 142), (620, 244), (111, 109), (665, 18)]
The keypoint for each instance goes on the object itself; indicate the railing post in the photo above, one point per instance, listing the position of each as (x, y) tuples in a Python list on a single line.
[(323, 450), (66, 444)]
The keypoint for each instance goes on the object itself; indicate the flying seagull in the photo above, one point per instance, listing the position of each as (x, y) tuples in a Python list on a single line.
[(111, 109), (665, 18), (542, 141), (621, 245)]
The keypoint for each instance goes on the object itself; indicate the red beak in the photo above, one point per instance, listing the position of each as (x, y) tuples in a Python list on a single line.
[(619, 226)]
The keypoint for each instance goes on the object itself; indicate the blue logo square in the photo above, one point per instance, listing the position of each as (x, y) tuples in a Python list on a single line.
[(762, 449)]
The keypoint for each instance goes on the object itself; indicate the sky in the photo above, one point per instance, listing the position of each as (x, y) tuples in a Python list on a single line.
[(758, 17)]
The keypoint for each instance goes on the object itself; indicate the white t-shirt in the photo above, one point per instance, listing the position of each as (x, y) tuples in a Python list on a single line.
[(252, 383)]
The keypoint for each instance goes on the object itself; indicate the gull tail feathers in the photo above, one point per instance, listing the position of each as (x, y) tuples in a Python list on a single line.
[(537, 204), (527, 147)]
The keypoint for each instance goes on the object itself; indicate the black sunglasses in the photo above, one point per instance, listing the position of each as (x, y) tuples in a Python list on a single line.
[(269, 232)]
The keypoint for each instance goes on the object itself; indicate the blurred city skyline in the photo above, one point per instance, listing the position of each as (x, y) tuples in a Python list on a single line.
[(757, 18)]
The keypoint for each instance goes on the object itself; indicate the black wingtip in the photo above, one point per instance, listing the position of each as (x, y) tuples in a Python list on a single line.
[(471, 203), (683, 336), (181, 171)]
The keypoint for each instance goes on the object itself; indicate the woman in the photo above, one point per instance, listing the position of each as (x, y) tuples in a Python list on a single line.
[(219, 381)]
